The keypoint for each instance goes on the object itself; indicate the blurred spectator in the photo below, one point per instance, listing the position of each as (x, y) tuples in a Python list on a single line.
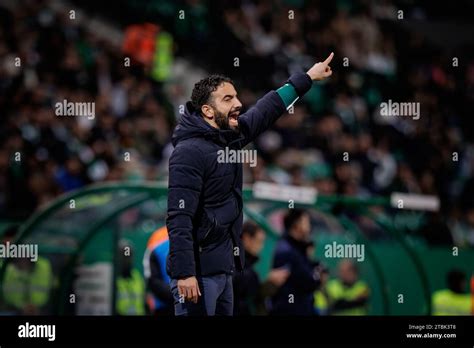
[(454, 300), (250, 293), (295, 297), (348, 295), (321, 297), (130, 284), (159, 299), (27, 283)]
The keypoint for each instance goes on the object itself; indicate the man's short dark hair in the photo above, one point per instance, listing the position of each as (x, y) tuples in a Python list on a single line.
[(292, 217), (250, 228), (202, 90)]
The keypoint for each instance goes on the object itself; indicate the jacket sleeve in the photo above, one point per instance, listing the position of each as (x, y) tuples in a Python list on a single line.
[(186, 171), (301, 276), (269, 108)]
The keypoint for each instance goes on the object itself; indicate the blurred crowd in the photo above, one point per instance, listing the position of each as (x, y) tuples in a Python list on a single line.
[(335, 139), (42, 154)]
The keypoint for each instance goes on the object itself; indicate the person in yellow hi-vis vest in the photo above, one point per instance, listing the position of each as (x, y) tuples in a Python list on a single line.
[(348, 295), (130, 284), (454, 300), (27, 283), (321, 297)]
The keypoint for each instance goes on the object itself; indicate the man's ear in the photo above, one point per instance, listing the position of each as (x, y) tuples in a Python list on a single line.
[(207, 111)]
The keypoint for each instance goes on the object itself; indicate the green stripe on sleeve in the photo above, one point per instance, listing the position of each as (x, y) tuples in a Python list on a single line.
[(288, 94)]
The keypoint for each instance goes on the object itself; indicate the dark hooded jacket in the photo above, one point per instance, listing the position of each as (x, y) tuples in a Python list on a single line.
[(302, 282), (205, 197)]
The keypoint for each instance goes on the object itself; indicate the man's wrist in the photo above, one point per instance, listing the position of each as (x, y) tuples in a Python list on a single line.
[(183, 277), (301, 82)]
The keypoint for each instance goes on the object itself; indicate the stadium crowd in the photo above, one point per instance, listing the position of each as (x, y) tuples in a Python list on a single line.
[(43, 155)]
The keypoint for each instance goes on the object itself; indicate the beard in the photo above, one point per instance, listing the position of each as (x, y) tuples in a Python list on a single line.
[(222, 120)]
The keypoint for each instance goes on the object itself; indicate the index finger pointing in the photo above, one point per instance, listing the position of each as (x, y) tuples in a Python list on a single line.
[(328, 59)]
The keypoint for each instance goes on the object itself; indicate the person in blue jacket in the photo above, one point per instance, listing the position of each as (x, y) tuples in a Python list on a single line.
[(204, 217), (295, 296), (158, 298)]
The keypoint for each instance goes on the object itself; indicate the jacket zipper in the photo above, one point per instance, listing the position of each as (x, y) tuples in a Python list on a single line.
[(207, 233)]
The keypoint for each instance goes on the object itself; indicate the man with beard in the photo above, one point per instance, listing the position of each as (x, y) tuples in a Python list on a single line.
[(205, 195)]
